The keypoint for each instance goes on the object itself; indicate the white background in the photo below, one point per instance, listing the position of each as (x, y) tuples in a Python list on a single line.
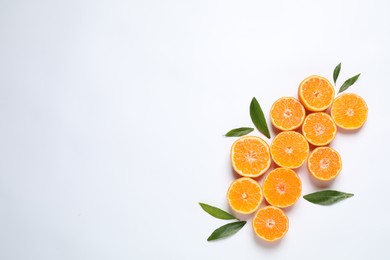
[(112, 115)]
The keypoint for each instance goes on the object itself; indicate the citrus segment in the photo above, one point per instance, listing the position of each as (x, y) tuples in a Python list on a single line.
[(270, 223), (287, 113), (319, 129), (349, 111), (316, 93), (324, 163), (289, 149), (282, 187), (250, 156), (244, 195)]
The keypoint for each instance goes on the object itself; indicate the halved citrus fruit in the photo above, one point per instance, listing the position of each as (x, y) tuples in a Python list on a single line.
[(289, 149), (316, 93), (250, 156), (324, 163), (287, 113), (270, 223), (349, 111), (244, 195), (319, 129), (282, 187)]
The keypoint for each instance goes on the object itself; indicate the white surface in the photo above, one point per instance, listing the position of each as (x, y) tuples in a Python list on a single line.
[(112, 115)]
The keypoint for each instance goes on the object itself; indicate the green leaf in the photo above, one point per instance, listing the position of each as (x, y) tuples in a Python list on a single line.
[(216, 212), (336, 73), (258, 119), (226, 230), (327, 197), (239, 132), (349, 82)]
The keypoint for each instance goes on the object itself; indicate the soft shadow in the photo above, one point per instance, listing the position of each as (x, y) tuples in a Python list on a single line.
[(290, 209), (273, 166), (265, 244), (319, 183), (312, 147), (309, 112), (347, 132), (275, 130), (234, 173), (247, 217), (303, 166)]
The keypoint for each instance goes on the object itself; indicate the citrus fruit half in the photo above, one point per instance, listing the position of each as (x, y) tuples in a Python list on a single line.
[(282, 187), (349, 111), (250, 156), (319, 129), (289, 149), (324, 163), (287, 113), (270, 223), (244, 195), (316, 93)]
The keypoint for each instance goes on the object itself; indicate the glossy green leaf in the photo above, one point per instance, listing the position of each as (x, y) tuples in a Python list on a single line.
[(336, 73), (349, 82), (237, 132), (216, 212), (258, 119), (327, 197), (226, 230)]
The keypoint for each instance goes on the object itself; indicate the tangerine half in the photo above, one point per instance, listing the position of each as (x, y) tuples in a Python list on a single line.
[(245, 195), (282, 187), (287, 113), (270, 223), (316, 93), (319, 129), (289, 149), (324, 163), (349, 111), (250, 156)]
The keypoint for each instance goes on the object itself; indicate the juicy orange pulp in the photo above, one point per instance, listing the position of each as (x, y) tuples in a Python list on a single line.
[(349, 111), (316, 93), (282, 187), (289, 149), (250, 156), (287, 113), (270, 223), (245, 195), (324, 163), (319, 129)]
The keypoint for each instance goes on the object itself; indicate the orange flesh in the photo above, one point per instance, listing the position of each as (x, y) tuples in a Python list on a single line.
[(319, 129), (270, 223), (349, 111), (282, 187), (316, 93), (244, 195), (289, 149), (287, 113), (324, 163), (250, 156)]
